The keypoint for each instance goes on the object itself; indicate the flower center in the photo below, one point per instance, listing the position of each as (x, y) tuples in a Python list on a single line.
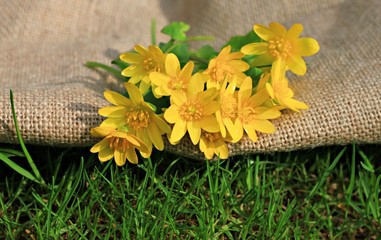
[(229, 107), (178, 84), (247, 113), (280, 47), (151, 65), (120, 144), (137, 119), (220, 71), (190, 111), (211, 137)]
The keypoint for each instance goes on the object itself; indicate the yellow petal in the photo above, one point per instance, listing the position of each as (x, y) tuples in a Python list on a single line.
[(194, 132), (131, 156), (264, 126), (117, 99), (195, 85), (134, 93), (262, 82), (159, 79), (186, 72), (99, 146), (209, 123), (178, 98), (232, 86), (259, 98), (106, 154), (233, 129), (119, 157), (210, 108), (263, 32), (278, 70), (235, 55), (237, 134), (220, 123), (132, 71), (144, 87), (245, 90), (172, 65), (294, 31), (295, 104), (155, 137), (263, 60), (270, 90), (101, 131), (178, 131), (223, 151), (202, 144), (250, 130), (113, 123), (297, 65), (306, 47), (135, 79), (278, 29), (171, 115), (239, 65), (144, 137), (155, 50), (255, 48), (225, 51), (142, 50), (267, 113), (207, 96), (161, 124), (113, 111), (132, 57)]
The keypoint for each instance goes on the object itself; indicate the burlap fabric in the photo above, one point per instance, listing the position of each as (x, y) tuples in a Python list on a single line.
[(44, 45)]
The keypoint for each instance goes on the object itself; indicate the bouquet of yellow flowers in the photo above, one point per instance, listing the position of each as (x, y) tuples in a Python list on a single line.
[(213, 97)]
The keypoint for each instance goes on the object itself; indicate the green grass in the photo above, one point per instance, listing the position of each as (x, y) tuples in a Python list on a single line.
[(325, 193)]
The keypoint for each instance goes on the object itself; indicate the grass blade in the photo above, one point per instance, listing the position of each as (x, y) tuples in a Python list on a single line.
[(23, 147), (325, 175), (17, 168)]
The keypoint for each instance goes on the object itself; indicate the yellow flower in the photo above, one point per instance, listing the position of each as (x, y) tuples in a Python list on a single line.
[(225, 65), (252, 114), (228, 111), (192, 111), (143, 63), (173, 79), (281, 46), (118, 144), (281, 94), (137, 115), (213, 143)]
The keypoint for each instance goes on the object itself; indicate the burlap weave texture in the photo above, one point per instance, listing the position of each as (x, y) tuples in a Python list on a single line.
[(44, 45)]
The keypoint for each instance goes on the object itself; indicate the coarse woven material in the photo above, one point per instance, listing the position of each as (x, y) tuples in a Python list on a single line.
[(44, 45)]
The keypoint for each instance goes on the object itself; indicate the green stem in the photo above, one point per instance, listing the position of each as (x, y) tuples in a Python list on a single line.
[(197, 59), (19, 137), (190, 39), (105, 67), (153, 32)]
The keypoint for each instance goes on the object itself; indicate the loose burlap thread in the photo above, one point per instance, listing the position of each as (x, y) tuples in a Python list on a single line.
[(44, 46)]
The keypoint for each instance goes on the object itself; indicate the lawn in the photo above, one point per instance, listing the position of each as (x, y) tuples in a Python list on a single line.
[(323, 193)]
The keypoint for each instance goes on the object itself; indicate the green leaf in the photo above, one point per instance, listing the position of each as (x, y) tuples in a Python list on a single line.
[(206, 52), (121, 64), (106, 68), (255, 74), (181, 50), (165, 46), (17, 168), (159, 103), (237, 42), (176, 30)]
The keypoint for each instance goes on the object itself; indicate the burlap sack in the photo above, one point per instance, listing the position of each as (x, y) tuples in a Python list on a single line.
[(44, 45)]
